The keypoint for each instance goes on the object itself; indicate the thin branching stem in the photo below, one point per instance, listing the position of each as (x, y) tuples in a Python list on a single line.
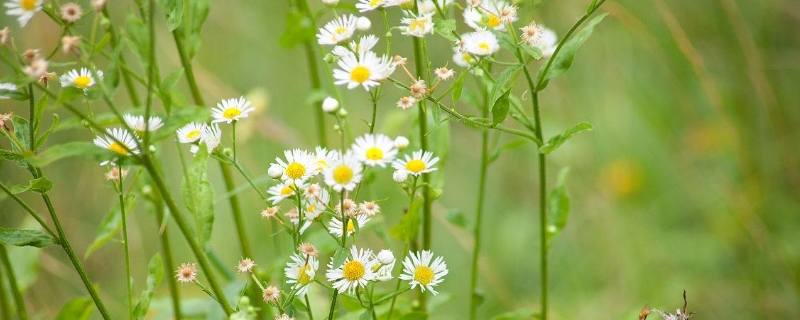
[(19, 299)]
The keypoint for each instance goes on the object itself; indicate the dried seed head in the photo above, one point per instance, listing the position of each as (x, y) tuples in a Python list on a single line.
[(69, 44), (406, 102), (98, 5), (31, 54), (5, 35), (245, 265), (270, 212), (271, 294), (37, 68), (187, 272), (308, 249), (419, 89), (71, 12)]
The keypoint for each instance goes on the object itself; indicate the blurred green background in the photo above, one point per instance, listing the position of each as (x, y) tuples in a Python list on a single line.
[(691, 180)]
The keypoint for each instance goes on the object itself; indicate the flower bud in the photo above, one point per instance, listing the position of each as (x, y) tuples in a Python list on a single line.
[(275, 171), (400, 176), (363, 23), (385, 257), (401, 142), (330, 105)]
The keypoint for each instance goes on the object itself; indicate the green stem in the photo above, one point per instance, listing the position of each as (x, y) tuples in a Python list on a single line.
[(308, 305), (12, 281), (427, 204), (151, 71), (125, 245), (126, 77), (32, 124), (29, 210), (473, 305), (4, 307), (169, 262), (313, 74), (343, 245), (187, 233), (236, 210), (187, 68), (411, 197)]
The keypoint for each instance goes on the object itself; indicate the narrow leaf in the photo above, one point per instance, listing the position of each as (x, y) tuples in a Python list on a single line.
[(559, 139), (76, 309), (40, 185), (110, 226), (565, 56), (501, 81), (23, 238), (198, 196), (41, 140), (155, 272), (532, 51), (500, 108), (298, 30), (458, 87), (174, 10), (558, 205), (409, 223)]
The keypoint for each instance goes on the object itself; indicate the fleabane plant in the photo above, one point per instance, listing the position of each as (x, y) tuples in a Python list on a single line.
[(319, 203)]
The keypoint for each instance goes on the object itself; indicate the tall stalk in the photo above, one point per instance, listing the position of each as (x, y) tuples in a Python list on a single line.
[(473, 301), (169, 262), (125, 244), (19, 300), (313, 74)]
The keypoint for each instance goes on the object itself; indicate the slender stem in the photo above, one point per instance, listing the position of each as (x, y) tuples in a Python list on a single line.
[(32, 123), (249, 181), (188, 234), (151, 71), (473, 305), (308, 305), (125, 245), (374, 96), (4, 307), (233, 137), (313, 74), (344, 243), (411, 196), (76, 263), (29, 210), (126, 76), (169, 262), (236, 210), (12, 281), (186, 62)]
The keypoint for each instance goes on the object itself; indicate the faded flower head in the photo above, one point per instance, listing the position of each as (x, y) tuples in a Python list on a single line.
[(71, 12), (245, 265), (187, 272)]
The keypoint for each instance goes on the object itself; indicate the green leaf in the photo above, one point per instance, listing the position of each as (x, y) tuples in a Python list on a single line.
[(591, 7), (565, 56), (532, 51), (499, 87), (316, 96), (112, 74), (13, 157), (76, 309), (166, 87), (200, 10), (138, 39), (198, 196), (458, 87), (558, 205), (299, 305), (13, 94), (457, 218), (25, 238), (86, 150), (155, 272), (559, 139), (299, 29), (21, 131), (415, 315), (41, 140), (508, 146), (517, 315), (366, 315), (500, 108), (174, 10), (409, 224), (110, 225), (40, 185), (445, 28), (339, 257)]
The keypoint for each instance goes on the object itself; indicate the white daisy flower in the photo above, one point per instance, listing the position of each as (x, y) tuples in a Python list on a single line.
[(488, 15), (7, 86), (322, 158), (417, 26), (23, 9), (298, 167), (548, 43), (138, 124), (281, 191), (293, 215), (127, 143), (368, 5), (366, 70), (337, 30), (364, 45), (191, 132), (81, 80), (231, 110), (444, 74), (344, 172), (335, 225), (480, 43), (462, 58), (403, 4), (375, 150), (300, 272), (355, 272), (315, 206), (211, 137), (418, 163), (417, 268)]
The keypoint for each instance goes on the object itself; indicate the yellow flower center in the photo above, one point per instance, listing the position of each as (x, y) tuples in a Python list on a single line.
[(193, 134), (311, 208), (350, 226), (467, 57), (359, 74), (28, 5), (353, 270), (423, 275), (493, 21), (302, 274), (342, 174), (285, 191), (484, 46), (295, 170), (231, 113), (415, 166), (118, 148), (374, 3), (341, 30), (82, 82), (417, 24), (374, 153)]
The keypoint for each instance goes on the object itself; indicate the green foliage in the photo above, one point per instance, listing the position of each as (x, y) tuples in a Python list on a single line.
[(174, 11), (42, 139), (409, 223), (76, 309), (85, 150), (299, 29), (558, 205), (415, 315), (500, 108), (178, 118), (138, 39), (198, 196), (518, 314), (155, 272), (110, 225), (565, 56), (533, 52), (559, 139), (445, 28), (40, 185), (23, 238), (165, 90), (457, 218), (199, 14)]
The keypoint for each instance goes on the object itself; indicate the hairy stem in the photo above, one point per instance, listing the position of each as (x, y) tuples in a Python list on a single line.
[(19, 300), (473, 301), (125, 245)]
